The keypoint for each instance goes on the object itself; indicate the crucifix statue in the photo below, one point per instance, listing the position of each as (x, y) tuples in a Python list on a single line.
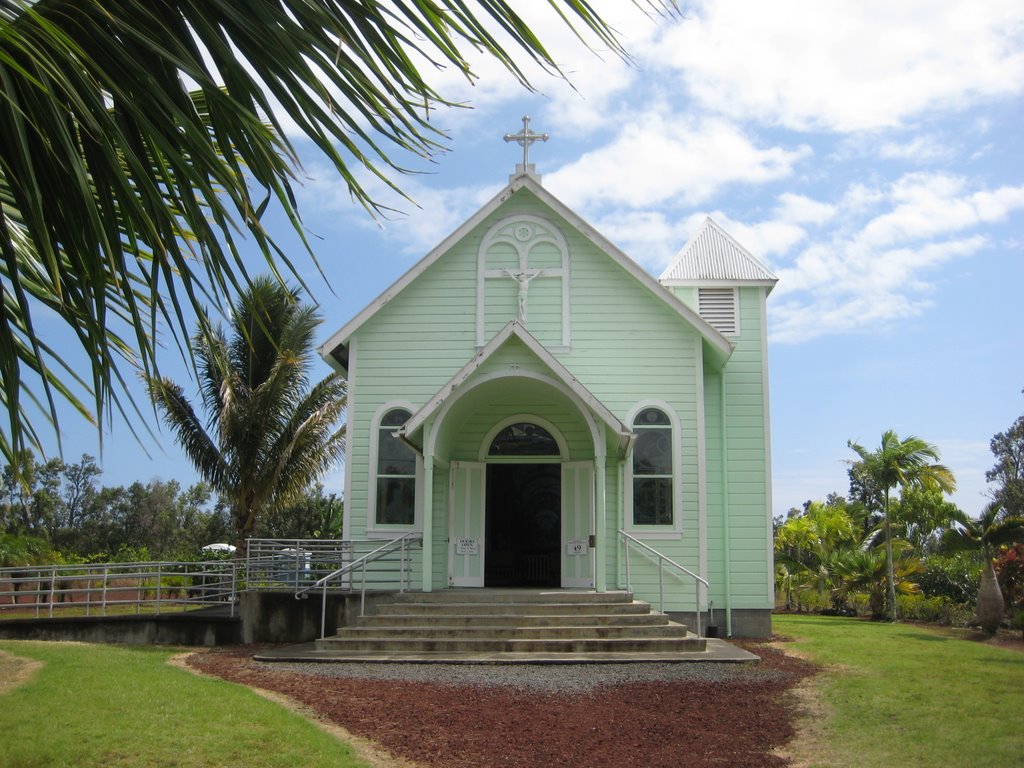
[(523, 277), (525, 138)]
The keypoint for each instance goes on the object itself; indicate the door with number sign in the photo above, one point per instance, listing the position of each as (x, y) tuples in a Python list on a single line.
[(577, 524), (466, 524)]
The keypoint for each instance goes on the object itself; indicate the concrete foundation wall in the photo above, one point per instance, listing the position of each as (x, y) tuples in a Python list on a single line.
[(128, 630), (277, 617), (753, 623)]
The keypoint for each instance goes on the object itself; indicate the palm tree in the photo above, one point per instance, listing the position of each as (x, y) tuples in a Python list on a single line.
[(142, 139), (907, 463), (268, 434), (869, 570), (992, 529)]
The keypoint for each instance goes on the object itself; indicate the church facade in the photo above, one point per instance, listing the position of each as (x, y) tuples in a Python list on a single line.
[(529, 399)]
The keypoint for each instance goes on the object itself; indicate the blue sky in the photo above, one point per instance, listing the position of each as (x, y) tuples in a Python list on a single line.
[(870, 153)]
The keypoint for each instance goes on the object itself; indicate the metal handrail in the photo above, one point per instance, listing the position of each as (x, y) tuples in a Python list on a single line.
[(97, 587), (663, 560), (380, 552)]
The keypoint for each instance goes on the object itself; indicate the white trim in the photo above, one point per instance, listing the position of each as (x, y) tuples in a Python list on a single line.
[(584, 399), (350, 407), (373, 528), (551, 234), (528, 418), (713, 337), (431, 446), (674, 530), (767, 448), (702, 477)]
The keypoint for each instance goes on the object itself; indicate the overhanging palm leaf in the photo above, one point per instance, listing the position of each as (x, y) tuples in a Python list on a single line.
[(268, 435), (140, 140)]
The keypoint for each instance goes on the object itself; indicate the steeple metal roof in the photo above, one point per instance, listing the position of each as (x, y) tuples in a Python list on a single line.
[(713, 256)]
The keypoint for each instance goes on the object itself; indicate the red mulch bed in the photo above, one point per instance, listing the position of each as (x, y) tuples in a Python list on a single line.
[(651, 724)]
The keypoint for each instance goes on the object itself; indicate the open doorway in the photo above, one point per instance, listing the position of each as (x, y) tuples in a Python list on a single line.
[(523, 527)]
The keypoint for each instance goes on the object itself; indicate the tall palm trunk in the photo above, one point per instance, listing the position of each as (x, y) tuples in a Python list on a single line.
[(888, 560)]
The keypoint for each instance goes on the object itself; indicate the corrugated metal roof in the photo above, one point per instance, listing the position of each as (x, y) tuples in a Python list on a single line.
[(712, 255)]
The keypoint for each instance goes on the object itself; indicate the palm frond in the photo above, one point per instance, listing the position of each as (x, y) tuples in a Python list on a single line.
[(141, 140)]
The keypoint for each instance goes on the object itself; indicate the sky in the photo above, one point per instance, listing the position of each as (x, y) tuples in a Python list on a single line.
[(871, 154)]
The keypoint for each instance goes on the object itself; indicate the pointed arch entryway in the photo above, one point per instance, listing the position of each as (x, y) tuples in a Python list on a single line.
[(518, 444)]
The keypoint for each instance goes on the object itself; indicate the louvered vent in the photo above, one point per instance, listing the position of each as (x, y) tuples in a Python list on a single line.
[(718, 307)]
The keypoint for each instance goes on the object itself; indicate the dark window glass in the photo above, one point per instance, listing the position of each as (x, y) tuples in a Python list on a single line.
[(524, 440), (396, 500), (652, 468), (651, 417), (652, 501), (396, 473), (652, 453), (393, 456)]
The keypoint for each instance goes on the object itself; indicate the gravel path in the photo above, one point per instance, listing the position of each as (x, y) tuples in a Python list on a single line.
[(550, 678)]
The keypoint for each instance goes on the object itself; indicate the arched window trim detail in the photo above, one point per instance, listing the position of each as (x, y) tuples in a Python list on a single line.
[(375, 529), (552, 235), (528, 418), (656, 531)]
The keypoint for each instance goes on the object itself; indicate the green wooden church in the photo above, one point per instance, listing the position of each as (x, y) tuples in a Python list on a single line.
[(542, 411)]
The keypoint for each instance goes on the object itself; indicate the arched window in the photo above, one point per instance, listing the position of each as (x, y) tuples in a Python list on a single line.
[(523, 439), (652, 468), (396, 473)]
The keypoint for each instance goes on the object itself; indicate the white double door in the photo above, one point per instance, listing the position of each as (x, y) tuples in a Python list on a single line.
[(467, 524)]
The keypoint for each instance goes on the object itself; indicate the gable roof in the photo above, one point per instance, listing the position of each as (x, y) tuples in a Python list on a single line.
[(332, 349), (514, 329), (713, 256)]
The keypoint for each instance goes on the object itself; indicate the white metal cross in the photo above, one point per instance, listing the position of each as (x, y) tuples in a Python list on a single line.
[(525, 138)]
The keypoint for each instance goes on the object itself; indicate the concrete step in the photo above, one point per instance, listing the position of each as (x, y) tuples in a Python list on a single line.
[(542, 646), (508, 609), (515, 620), (487, 632), (518, 596)]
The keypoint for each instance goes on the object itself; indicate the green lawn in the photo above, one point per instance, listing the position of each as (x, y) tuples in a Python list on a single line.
[(911, 696), (95, 705)]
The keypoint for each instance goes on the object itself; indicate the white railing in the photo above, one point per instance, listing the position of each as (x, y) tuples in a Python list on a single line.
[(103, 589), (663, 561), (400, 546)]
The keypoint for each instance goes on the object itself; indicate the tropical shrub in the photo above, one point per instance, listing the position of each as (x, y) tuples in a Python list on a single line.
[(934, 610), (954, 576)]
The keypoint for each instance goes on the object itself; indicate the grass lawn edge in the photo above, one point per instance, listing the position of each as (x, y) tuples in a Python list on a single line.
[(366, 750)]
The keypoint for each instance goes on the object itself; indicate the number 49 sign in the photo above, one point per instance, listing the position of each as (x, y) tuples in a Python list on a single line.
[(576, 547)]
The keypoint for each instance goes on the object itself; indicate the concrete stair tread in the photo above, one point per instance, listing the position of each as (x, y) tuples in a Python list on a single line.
[(715, 651), (521, 644), (501, 624)]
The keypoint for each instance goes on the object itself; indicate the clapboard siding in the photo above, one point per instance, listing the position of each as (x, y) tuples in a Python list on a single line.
[(626, 346)]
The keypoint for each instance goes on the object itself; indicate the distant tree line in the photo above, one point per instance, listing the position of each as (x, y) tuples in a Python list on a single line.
[(55, 511), (896, 546)]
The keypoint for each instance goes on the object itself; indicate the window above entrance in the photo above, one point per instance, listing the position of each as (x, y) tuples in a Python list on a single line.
[(523, 439)]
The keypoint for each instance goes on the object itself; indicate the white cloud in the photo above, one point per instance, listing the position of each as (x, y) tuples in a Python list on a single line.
[(845, 67), (802, 209), (415, 226), (874, 265), (920, 149), (661, 158)]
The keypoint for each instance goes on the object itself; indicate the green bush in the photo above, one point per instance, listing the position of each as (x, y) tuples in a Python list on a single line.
[(934, 610), (955, 577)]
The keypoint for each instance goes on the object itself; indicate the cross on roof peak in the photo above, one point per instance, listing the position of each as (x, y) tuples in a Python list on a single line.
[(525, 138)]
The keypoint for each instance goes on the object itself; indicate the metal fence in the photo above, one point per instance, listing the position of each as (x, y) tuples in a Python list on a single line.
[(297, 564), (104, 589)]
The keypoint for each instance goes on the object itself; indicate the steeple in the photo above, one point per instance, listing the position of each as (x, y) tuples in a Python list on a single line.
[(525, 138)]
